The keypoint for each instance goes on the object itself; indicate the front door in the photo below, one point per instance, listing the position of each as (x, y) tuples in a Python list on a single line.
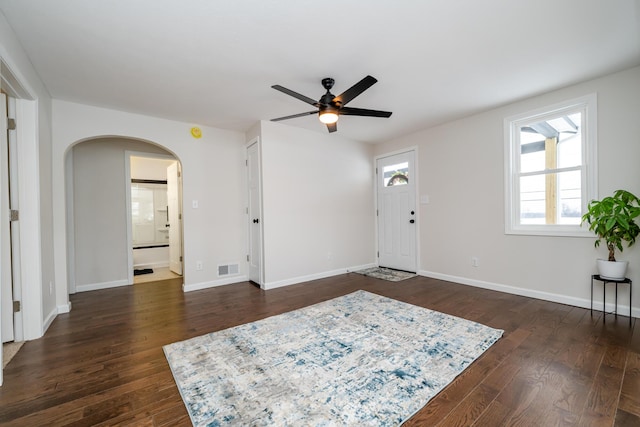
[(254, 213), (397, 212)]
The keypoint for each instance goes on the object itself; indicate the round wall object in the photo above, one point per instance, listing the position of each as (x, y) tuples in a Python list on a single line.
[(196, 132)]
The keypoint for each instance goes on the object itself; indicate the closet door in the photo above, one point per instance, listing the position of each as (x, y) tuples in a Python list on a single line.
[(254, 212)]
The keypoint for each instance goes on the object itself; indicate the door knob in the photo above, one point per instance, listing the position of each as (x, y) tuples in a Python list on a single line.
[(412, 212), (255, 221), (412, 221)]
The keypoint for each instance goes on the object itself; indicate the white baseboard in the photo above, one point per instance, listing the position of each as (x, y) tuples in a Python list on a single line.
[(64, 308), (49, 319), (103, 285), (546, 296), (277, 284), (308, 278), (221, 282)]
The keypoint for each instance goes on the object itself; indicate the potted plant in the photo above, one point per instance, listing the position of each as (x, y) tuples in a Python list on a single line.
[(612, 219)]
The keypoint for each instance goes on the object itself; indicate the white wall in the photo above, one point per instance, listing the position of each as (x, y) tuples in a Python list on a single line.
[(213, 174), (100, 217), (318, 211), (462, 171), (149, 168)]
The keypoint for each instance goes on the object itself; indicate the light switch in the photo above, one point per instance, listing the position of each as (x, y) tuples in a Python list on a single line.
[(424, 199), (195, 204)]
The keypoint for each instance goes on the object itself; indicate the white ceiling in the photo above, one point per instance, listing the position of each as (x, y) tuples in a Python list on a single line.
[(213, 62)]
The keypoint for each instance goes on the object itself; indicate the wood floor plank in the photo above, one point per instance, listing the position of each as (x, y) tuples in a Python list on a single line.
[(629, 396), (471, 407), (603, 399), (102, 364), (496, 414), (624, 418)]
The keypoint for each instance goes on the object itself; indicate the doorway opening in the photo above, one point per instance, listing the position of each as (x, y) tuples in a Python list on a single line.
[(21, 297), (155, 217), (10, 283)]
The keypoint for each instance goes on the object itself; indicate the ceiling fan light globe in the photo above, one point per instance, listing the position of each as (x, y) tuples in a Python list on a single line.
[(328, 117)]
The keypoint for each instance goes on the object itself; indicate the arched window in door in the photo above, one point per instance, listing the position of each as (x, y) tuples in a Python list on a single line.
[(395, 175)]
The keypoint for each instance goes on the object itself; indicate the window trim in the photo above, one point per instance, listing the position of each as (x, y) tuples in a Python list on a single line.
[(588, 104)]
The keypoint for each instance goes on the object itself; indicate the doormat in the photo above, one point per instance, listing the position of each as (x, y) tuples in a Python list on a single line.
[(9, 350), (386, 274), (142, 271), (358, 360)]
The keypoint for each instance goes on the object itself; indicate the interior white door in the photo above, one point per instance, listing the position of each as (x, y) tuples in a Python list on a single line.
[(254, 213), (397, 211), (16, 268), (175, 218), (6, 290)]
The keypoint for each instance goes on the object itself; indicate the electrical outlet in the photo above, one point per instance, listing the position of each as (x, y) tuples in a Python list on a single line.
[(475, 261), (198, 265)]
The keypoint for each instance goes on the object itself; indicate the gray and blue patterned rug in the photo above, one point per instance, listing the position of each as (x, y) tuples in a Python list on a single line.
[(360, 359)]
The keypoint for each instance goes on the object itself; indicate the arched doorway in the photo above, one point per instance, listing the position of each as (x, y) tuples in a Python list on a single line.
[(98, 220)]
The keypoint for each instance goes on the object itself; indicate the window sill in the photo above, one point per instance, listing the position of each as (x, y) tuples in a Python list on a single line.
[(551, 231)]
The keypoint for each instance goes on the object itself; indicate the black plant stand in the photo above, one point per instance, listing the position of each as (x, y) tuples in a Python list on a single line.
[(604, 293)]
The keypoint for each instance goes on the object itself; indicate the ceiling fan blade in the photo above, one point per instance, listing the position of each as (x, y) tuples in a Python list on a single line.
[(293, 116), (332, 127), (348, 111), (296, 95), (355, 90)]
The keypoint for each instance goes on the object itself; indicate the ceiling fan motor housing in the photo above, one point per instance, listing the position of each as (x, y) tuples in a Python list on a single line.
[(328, 83), (327, 100)]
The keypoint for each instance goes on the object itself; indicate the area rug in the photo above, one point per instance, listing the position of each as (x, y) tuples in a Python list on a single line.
[(386, 274), (360, 359)]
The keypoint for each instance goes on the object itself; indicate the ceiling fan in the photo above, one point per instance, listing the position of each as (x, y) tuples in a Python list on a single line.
[(330, 107)]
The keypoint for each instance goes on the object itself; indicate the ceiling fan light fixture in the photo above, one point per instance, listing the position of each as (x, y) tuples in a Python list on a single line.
[(328, 117), (331, 107)]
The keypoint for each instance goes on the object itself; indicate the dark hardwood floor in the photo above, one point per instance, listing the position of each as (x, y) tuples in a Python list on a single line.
[(103, 364)]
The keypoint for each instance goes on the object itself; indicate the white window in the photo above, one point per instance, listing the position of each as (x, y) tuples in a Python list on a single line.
[(550, 168)]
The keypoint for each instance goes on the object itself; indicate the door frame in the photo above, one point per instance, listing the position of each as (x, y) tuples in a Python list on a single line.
[(34, 321), (180, 220), (6, 267), (416, 187), (127, 173), (255, 141), (14, 204)]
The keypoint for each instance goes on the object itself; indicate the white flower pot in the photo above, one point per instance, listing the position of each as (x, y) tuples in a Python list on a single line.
[(614, 270)]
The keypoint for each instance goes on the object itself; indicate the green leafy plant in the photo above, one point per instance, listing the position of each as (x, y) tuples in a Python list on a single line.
[(612, 219)]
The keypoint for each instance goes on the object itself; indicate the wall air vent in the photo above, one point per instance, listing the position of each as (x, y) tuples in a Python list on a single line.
[(227, 269)]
